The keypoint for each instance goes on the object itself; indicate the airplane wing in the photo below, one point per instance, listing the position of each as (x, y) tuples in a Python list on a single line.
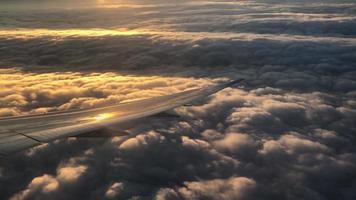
[(22, 132)]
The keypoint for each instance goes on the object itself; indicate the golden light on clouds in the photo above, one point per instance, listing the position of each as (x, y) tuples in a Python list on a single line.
[(24, 93), (36, 33), (155, 31), (108, 4)]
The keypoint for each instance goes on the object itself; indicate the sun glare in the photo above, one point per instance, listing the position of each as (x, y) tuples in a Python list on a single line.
[(100, 1), (103, 116), (34, 33)]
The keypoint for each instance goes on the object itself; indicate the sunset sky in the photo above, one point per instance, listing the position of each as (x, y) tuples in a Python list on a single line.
[(287, 133)]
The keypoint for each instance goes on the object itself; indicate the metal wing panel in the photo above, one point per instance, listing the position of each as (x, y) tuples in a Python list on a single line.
[(12, 142)]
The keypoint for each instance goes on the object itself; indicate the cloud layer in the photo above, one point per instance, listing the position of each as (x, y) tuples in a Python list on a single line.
[(287, 134)]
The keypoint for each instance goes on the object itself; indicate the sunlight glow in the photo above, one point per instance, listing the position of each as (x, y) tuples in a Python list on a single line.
[(35, 33), (103, 116), (60, 34)]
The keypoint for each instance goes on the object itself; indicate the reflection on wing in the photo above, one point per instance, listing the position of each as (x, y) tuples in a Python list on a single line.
[(22, 132)]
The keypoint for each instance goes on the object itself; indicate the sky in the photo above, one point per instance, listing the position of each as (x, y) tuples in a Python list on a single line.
[(287, 133)]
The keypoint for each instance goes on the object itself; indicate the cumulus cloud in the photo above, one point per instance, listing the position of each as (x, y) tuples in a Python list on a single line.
[(292, 145), (114, 190), (233, 188), (45, 92), (47, 185), (240, 145), (287, 134), (70, 174)]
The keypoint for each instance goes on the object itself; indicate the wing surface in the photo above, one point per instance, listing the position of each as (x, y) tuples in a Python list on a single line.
[(22, 132)]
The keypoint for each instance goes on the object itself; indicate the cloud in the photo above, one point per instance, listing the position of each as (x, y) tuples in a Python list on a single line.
[(187, 158), (70, 174), (234, 188), (114, 190), (261, 134), (9, 111), (38, 93), (288, 133), (291, 113), (240, 145), (243, 119), (46, 185), (292, 144)]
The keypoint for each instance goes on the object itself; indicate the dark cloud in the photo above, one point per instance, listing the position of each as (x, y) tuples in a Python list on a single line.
[(287, 134)]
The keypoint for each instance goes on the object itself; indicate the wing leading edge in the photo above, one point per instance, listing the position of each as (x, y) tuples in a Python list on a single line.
[(22, 132)]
